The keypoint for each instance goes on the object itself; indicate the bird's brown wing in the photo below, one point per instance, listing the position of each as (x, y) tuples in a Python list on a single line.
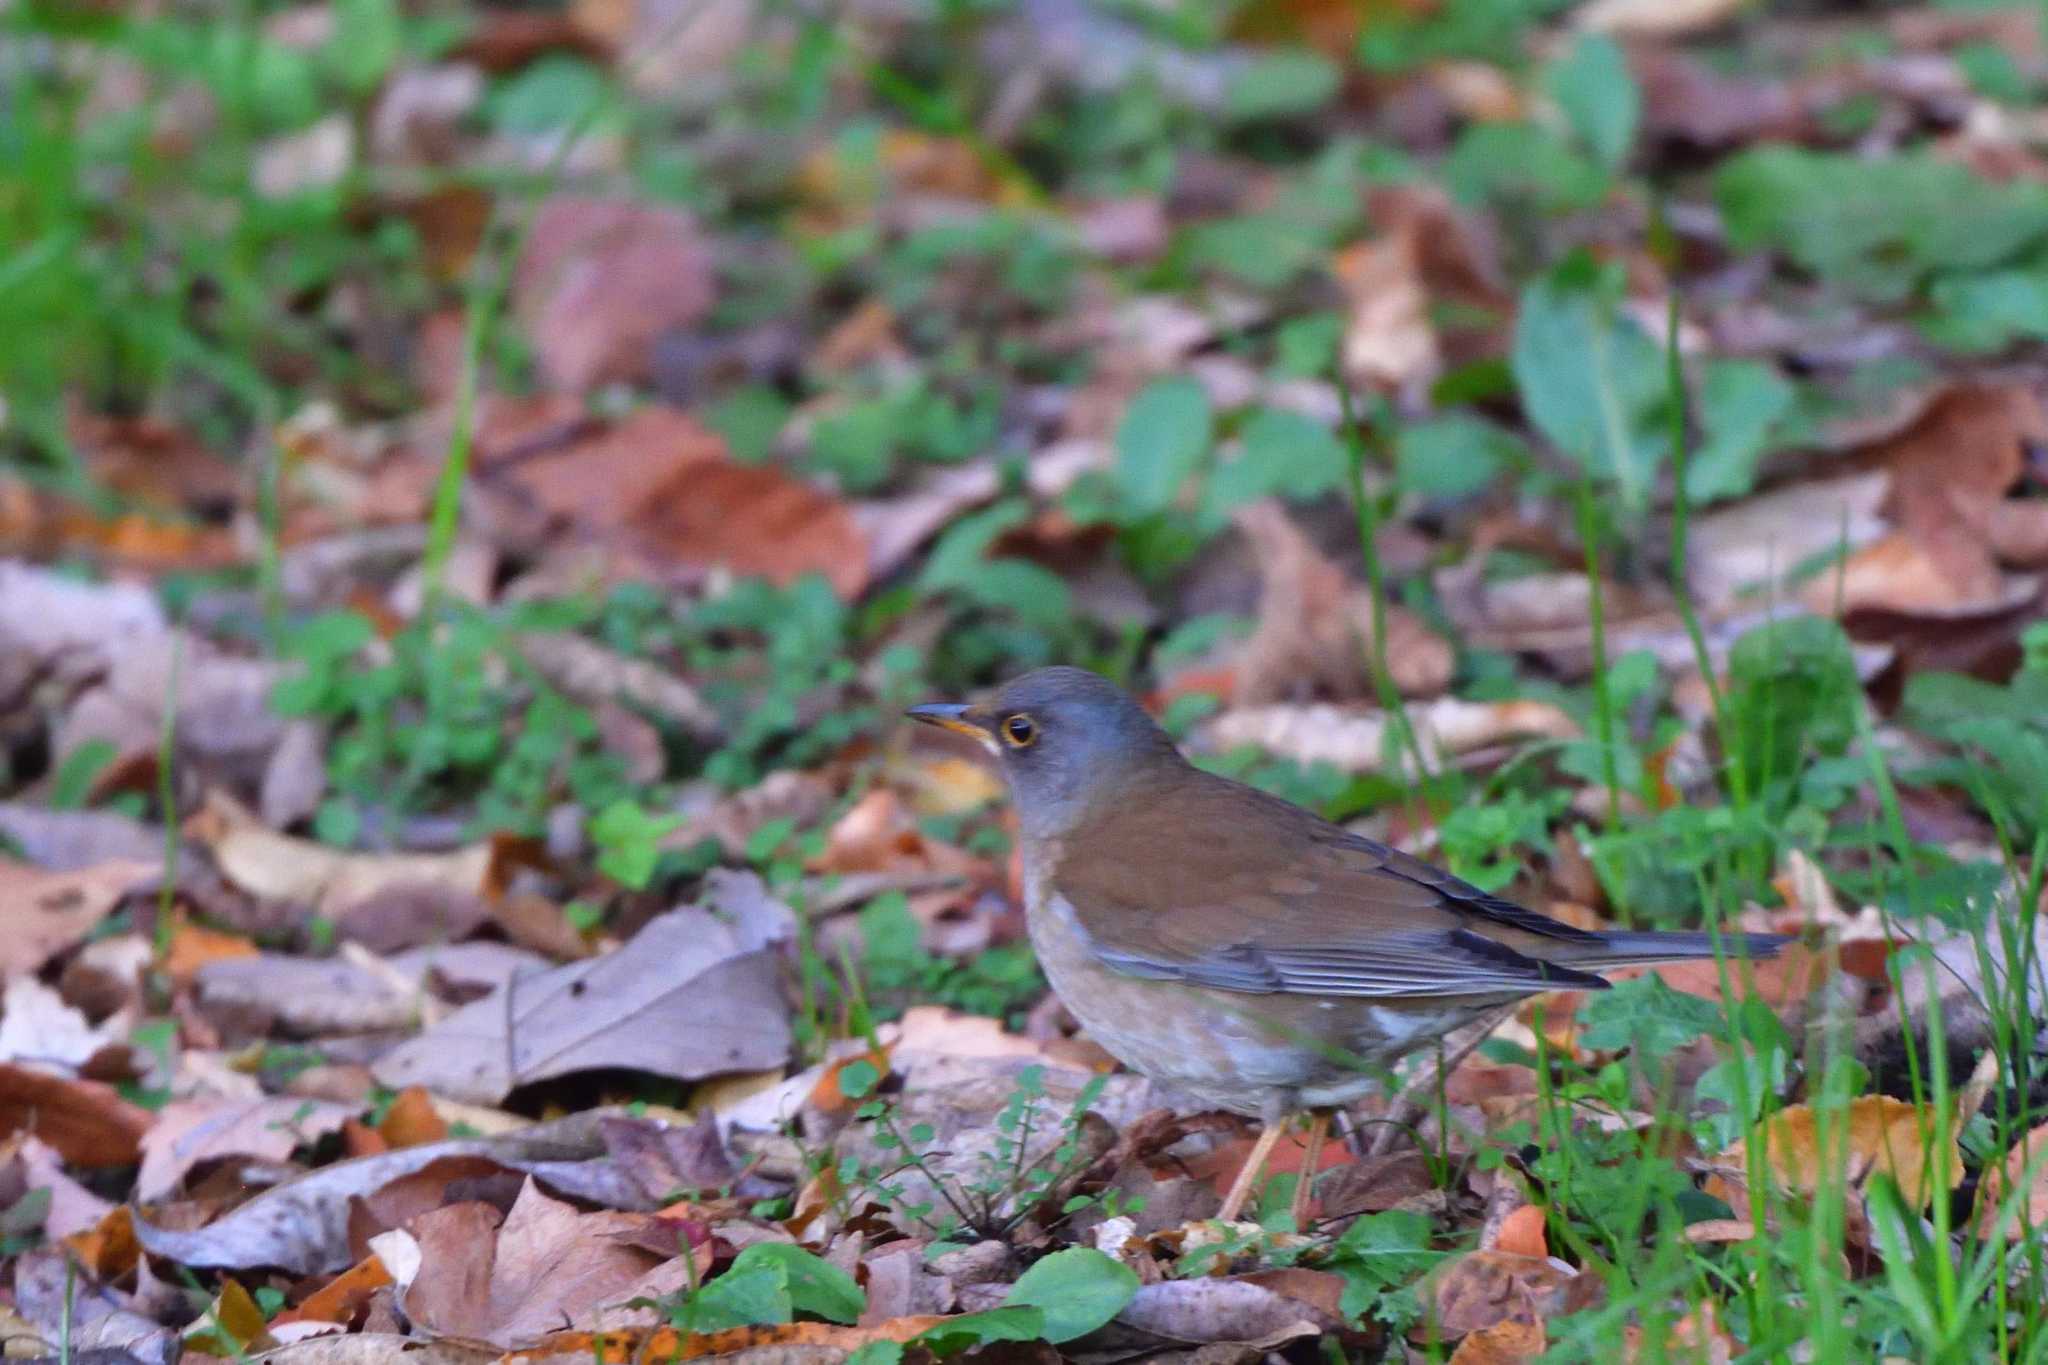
[(1209, 882)]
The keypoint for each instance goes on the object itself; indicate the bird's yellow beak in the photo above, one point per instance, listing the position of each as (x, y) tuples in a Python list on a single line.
[(951, 716)]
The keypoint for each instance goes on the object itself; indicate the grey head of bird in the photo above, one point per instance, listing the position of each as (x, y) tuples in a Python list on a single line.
[(1069, 742)]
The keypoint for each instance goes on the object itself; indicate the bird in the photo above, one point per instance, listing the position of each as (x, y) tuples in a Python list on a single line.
[(1241, 948)]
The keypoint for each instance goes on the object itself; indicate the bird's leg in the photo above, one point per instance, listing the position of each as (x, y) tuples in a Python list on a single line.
[(1248, 1174), (1413, 1102), (1318, 1129)]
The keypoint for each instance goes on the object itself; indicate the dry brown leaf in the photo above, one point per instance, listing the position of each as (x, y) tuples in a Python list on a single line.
[(1877, 1134), (191, 1131), (1389, 342), (1484, 1288), (87, 1123), (1522, 1232), (589, 672), (1513, 1342), (193, 948), (599, 279), (1219, 1310), (691, 995), (341, 1298), (73, 1208), (512, 1279), (655, 495), (1354, 740), (2025, 1166), (327, 880), (43, 913), (1697, 1337), (38, 1027), (1314, 634)]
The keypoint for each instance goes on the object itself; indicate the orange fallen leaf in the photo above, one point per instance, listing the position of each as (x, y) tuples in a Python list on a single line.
[(1505, 1343), (2025, 1165), (412, 1120), (665, 1343), (193, 946), (1876, 1134), (1522, 1233), (88, 1123), (108, 1250), (342, 1298)]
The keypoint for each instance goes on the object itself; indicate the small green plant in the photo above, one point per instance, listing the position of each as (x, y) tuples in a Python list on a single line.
[(767, 1283), (1011, 1181)]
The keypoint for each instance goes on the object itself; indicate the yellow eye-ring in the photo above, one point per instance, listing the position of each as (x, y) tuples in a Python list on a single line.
[(1019, 731)]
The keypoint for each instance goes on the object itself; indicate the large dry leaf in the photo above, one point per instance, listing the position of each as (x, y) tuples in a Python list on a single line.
[(88, 1123), (1222, 1310), (1484, 1288), (1656, 18), (1354, 740), (302, 1226), (327, 880), (691, 995), (1878, 1134), (655, 496), (78, 840), (51, 622), (1314, 635), (548, 1266), (1389, 342), (308, 996), (43, 913), (600, 279), (73, 1208), (221, 703), (189, 1132)]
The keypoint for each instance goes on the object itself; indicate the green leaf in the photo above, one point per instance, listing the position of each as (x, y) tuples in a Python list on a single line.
[(1792, 687), (1283, 453), (746, 1295), (1742, 404), (1523, 166), (1589, 379), (1019, 1323), (1986, 312), (816, 1286), (1078, 1289), (1161, 442), (1875, 225), (878, 1353), (629, 841), (1378, 1253), (1280, 83), (1593, 86), (1453, 456), (1647, 1015), (549, 95)]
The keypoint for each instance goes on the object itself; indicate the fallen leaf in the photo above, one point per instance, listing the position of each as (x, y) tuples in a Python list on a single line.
[(1522, 1233), (599, 279), (79, 840), (73, 1208), (2024, 1167), (108, 1250), (1514, 1342), (188, 1132), (411, 1120), (302, 1225), (88, 1124), (1206, 1309), (51, 622), (545, 1265), (1354, 740), (342, 1298), (1482, 1289), (42, 913), (589, 672), (1877, 1134), (656, 496), (688, 996), (784, 1342), (1314, 633), (1389, 342), (328, 881), (38, 1027), (308, 997), (194, 947)]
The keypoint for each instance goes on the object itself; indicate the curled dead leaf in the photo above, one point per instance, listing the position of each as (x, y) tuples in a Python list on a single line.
[(1877, 1134), (1355, 740)]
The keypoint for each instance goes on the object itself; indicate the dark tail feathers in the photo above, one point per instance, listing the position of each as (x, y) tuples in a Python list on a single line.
[(1632, 949)]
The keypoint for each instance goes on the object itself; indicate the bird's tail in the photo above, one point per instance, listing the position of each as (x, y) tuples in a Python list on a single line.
[(1626, 948)]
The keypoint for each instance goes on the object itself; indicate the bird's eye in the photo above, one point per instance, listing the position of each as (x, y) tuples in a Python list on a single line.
[(1020, 731)]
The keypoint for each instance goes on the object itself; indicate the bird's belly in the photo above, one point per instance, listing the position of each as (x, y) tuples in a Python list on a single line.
[(1253, 1054)]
